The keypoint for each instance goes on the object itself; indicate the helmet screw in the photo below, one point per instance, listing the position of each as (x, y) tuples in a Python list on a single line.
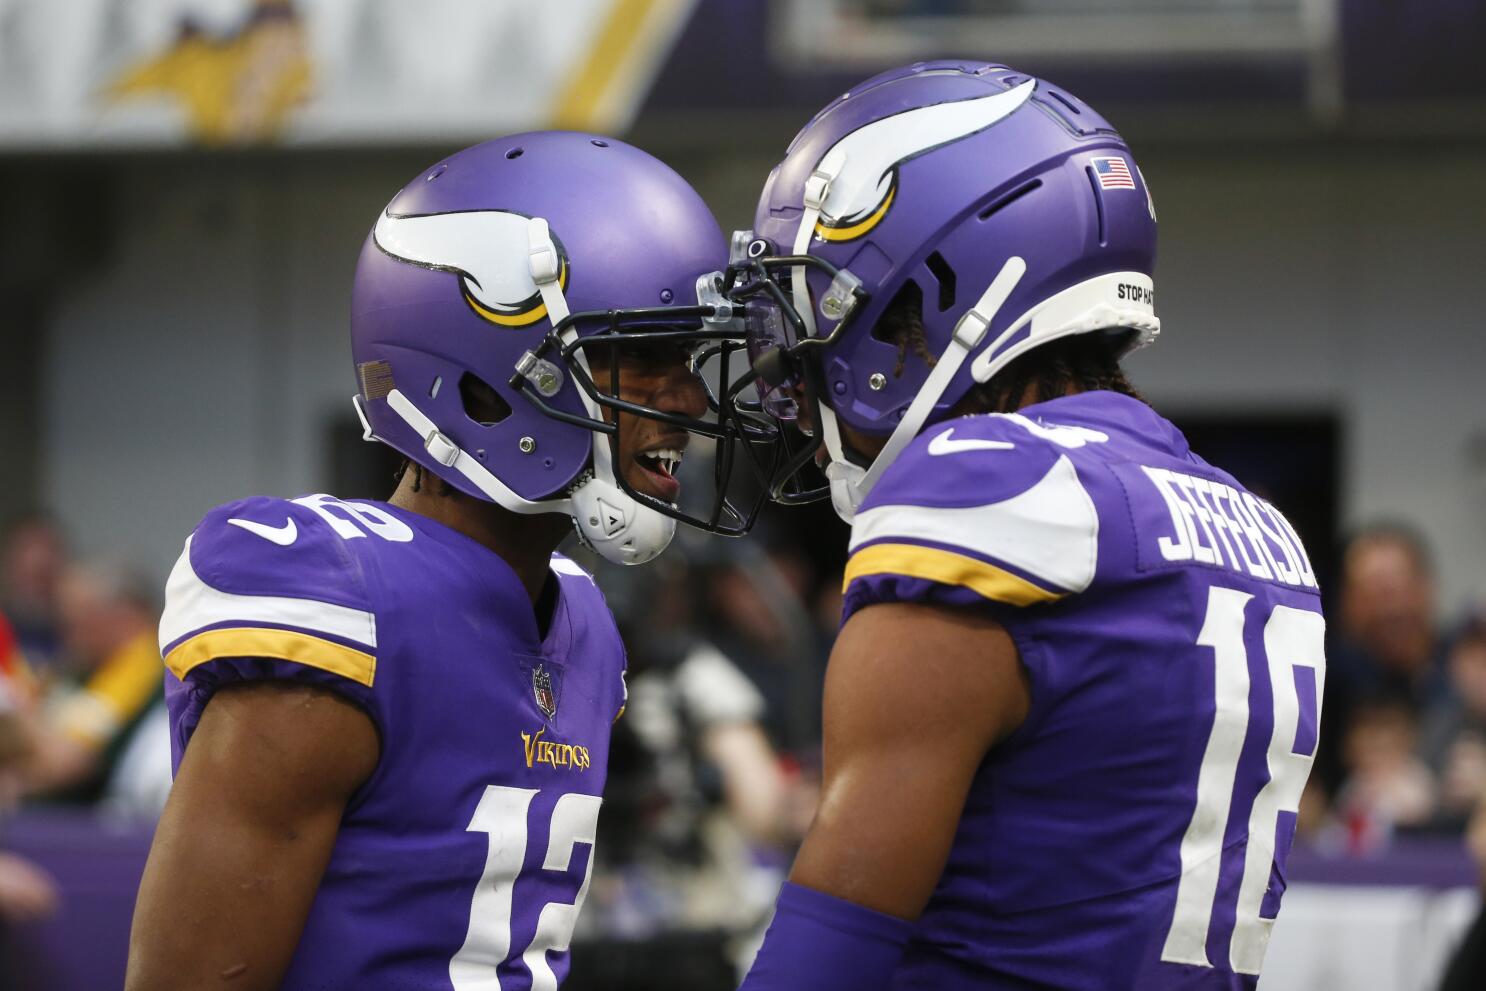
[(839, 388), (527, 445), (877, 382), (666, 295), (593, 521), (831, 307)]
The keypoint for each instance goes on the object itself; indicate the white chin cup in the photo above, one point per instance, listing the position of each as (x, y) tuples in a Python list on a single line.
[(846, 488), (619, 528)]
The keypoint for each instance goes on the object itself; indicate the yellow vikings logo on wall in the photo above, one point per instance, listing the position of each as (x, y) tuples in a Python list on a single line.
[(239, 87), (863, 166), (487, 249)]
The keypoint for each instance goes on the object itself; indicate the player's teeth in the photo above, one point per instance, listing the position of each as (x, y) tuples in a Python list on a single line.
[(668, 458)]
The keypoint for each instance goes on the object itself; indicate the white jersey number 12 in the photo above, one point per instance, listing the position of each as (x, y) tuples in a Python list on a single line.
[(502, 815)]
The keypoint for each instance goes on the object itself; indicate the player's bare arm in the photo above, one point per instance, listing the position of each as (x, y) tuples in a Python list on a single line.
[(915, 697), (245, 837)]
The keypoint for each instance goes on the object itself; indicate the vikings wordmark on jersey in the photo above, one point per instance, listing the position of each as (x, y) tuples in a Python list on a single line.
[(1135, 828), (463, 861)]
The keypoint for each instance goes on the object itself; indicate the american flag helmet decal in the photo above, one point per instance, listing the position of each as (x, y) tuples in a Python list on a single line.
[(1113, 173)]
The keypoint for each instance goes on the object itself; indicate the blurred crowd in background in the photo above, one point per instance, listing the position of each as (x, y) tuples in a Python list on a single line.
[(1404, 719), (715, 765)]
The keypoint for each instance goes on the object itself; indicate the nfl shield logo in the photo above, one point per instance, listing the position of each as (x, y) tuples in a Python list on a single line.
[(541, 689)]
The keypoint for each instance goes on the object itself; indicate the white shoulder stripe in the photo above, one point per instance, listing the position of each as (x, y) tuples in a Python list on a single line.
[(191, 604), (566, 566), (1050, 531)]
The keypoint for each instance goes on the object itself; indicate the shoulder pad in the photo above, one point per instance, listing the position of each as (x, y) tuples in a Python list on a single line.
[(989, 503), (985, 457), (266, 546), (565, 566), (275, 578)]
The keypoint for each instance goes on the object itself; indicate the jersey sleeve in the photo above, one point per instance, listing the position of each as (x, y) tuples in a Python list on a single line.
[(985, 510), (265, 591)]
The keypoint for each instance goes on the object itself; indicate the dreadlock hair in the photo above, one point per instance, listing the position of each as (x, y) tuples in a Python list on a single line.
[(902, 324), (1078, 363), (444, 487)]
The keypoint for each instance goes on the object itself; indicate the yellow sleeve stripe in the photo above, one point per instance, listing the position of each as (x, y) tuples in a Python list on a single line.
[(284, 645), (947, 568)]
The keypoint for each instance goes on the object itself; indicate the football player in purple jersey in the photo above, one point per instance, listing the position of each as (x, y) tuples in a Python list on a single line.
[(1074, 699), (390, 721)]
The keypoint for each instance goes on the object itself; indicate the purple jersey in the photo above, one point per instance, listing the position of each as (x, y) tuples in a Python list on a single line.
[(1132, 833), (462, 862)]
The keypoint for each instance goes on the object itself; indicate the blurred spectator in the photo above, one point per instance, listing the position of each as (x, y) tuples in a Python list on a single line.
[(1453, 743), (108, 621), (1386, 644), (26, 892), (1390, 643), (701, 812), (1387, 785), (32, 557), (15, 699), (755, 611)]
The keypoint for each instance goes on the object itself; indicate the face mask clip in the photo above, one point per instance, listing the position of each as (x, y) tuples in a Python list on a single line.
[(543, 375), (842, 296), (709, 293)]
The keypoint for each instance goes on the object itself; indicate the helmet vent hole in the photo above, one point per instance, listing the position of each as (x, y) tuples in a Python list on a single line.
[(946, 277), (597, 143), (433, 390), (902, 326), (515, 153), (1010, 198), (481, 402), (1098, 206), (1065, 101)]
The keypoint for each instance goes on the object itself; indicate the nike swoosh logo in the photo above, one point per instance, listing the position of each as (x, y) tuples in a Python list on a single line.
[(281, 535), (946, 444)]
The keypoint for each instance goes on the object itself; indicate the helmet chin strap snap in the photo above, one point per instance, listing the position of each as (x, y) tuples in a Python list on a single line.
[(850, 483), (846, 487), (616, 526)]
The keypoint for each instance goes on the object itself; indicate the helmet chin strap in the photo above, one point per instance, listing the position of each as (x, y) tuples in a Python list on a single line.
[(450, 455), (843, 475), (608, 519), (850, 483)]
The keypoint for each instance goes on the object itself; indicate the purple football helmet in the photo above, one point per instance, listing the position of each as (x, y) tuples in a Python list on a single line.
[(496, 270), (1015, 208)]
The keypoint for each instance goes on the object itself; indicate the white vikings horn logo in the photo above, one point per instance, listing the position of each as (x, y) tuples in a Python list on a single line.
[(487, 249), (859, 197)]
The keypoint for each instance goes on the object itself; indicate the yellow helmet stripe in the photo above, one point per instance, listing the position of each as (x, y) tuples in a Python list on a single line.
[(862, 227)]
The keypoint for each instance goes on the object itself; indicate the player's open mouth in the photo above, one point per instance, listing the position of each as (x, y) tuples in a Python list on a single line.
[(659, 466)]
